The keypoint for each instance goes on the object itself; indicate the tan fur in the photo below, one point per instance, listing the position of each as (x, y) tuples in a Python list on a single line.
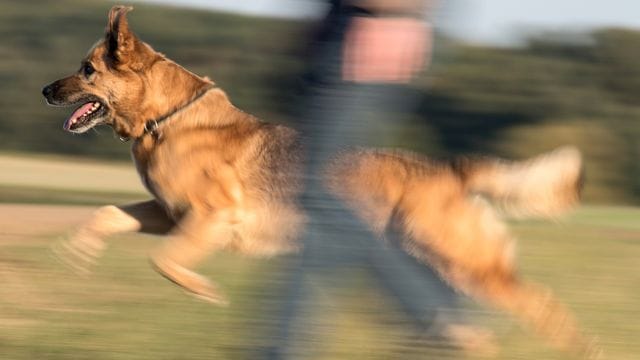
[(222, 179), (444, 211), (546, 186)]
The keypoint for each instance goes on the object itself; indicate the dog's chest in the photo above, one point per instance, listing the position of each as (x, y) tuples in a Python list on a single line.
[(163, 176), (183, 177)]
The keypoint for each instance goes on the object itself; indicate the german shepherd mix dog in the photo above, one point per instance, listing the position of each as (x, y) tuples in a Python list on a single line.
[(222, 179)]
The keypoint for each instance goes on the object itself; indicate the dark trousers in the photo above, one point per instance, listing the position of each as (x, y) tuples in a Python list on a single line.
[(336, 115)]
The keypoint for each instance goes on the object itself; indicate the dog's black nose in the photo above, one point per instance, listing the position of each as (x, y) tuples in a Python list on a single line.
[(48, 90)]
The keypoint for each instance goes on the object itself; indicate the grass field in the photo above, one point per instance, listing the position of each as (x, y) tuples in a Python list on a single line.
[(126, 311)]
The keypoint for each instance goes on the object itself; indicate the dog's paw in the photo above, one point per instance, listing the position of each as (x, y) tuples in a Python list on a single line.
[(592, 350), (203, 289), (472, 340), (79, 254), (211, 295), (191, 282)]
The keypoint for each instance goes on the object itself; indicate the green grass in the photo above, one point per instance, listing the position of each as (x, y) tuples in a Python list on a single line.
[(590, 261), (126, 311)]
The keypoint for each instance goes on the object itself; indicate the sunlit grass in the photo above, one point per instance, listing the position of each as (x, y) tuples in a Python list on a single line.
[(127, 311)]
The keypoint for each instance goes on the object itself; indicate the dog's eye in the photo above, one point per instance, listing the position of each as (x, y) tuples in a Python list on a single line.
[(87, 69)]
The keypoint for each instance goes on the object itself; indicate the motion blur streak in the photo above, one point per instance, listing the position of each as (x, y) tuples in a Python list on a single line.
[(555, 86)]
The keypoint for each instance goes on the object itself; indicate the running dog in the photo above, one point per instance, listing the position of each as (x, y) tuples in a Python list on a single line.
[(223, 179)]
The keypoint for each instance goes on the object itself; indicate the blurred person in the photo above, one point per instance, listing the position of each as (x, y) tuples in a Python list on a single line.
[(362, 58)]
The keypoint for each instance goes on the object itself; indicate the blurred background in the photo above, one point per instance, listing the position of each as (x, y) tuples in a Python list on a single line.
[(508, 78)]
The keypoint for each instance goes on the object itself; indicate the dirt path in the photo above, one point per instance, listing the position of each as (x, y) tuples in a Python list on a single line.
[(68, 174), (27, 269)]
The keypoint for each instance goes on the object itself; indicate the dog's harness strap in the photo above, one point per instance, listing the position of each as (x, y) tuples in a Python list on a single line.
[(152, 126)]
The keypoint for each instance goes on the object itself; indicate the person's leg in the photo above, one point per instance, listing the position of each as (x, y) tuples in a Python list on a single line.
[(330, 239), (335, 115), (432, 307), (426, 300), (342, 116)]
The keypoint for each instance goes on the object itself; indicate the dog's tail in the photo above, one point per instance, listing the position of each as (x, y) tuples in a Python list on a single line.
[(546, 185)]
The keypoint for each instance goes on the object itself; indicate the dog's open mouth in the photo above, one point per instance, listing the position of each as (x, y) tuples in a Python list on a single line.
[(88, 115)]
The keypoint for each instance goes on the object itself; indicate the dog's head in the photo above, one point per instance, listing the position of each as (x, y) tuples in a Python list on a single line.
[(111, 87)]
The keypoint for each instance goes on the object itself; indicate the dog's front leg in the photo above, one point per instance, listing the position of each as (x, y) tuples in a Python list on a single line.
[(196, 238), (87, 243)]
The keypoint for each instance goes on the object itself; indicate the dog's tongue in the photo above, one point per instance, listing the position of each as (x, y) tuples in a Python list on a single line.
[(76, 114)]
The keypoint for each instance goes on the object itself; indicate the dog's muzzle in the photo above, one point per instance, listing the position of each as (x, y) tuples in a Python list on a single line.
[(49, 90)]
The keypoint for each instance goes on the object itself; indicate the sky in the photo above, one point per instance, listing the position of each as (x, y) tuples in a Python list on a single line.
[(481, 21)]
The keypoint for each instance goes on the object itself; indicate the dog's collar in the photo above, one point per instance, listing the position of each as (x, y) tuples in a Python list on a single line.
[(152, 126)]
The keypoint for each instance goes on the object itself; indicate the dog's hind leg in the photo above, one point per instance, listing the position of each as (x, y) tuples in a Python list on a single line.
[(197, 236), (87, 243), (538, 307), (472, 248)]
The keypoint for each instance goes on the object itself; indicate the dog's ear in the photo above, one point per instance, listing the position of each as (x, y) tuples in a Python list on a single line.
[(120, 41)]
